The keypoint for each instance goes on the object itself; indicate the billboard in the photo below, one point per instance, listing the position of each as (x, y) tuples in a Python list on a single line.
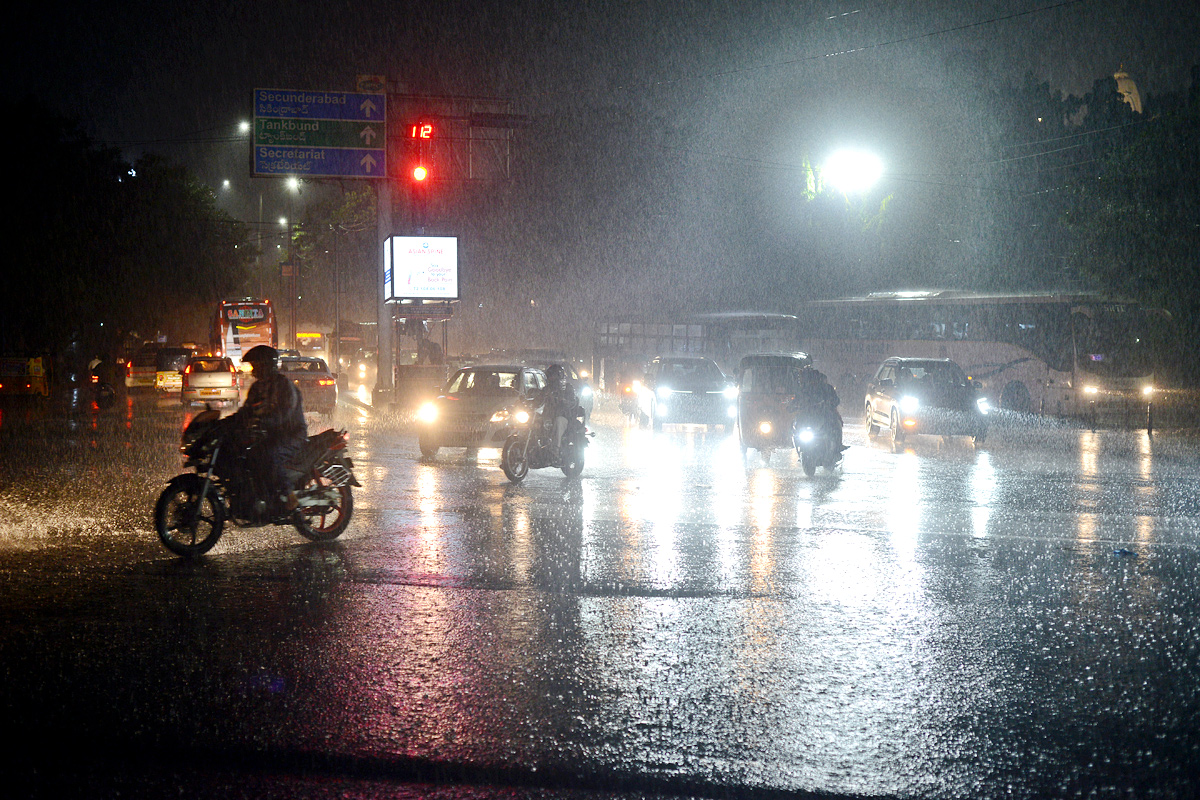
[(420, 268)]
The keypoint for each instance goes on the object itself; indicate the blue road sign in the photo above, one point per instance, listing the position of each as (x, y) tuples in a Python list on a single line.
[(317, 134)]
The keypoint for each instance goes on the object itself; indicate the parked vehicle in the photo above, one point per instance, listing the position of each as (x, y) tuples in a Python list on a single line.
[(473, 409), (924, 396), (191, 512), (317, 385), (681, 389), (211, 379), (766, 400), (531, 443)]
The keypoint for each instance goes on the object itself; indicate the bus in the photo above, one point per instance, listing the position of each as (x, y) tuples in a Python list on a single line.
[(239, 325), (315, 340), (1062, 354), (623, 347)]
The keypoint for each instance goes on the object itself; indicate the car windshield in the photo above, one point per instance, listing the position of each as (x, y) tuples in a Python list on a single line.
[(209, 365), (483, 382), (692, 370), (931, 373), (315, 365)]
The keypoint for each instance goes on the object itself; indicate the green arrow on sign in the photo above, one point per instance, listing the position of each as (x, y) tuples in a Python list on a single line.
[(318, 133)]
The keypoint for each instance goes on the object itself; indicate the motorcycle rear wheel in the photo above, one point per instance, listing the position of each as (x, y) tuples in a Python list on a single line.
[(187, 525), (573, 460), (324, 523), (513, 461)]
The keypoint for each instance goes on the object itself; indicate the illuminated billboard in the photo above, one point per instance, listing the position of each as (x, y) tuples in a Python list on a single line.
[(420, 268)]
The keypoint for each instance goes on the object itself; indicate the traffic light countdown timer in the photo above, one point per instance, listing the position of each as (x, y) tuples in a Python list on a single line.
[(419, 170), (421, 138)]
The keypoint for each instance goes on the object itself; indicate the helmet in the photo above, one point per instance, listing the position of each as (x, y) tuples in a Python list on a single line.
[(555, 373), (260, 354)]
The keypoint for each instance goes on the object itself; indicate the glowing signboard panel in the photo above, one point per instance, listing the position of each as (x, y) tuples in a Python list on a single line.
[(421, 268)]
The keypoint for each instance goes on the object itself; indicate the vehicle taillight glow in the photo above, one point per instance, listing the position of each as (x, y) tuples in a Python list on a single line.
[(326, 382)]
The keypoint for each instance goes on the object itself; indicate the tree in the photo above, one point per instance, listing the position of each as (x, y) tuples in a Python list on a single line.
[(99, 245), (1138, 222)]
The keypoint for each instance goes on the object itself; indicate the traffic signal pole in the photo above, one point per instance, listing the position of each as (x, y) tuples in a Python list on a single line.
[(385, 388)]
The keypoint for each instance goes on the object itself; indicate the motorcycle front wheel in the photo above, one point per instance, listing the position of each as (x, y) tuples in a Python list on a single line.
[(514, 460), (324, 523), (187, 524), (808, 461)]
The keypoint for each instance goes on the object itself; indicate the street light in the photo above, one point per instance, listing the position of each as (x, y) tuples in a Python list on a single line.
[(852, 171)]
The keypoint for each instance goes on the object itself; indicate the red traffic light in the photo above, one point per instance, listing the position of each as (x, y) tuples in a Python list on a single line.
[(419, 173)]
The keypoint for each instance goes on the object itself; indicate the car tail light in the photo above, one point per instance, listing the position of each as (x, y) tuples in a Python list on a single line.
[(326, 382)]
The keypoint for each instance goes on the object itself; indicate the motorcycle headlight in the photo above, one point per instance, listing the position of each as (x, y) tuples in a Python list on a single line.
[(585, 392), (764, 428), (909, 404), (521, 417), (427, 413), (983, 405), (805, 435)]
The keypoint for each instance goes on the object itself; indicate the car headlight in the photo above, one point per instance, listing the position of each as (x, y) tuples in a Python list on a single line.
[(499, 416), (909, 404), (1091, 390), (427, 413), (1148, 391), (983, 405), (730, 392), (663, 393)]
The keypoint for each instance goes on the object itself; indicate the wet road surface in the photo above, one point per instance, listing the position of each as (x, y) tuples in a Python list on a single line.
[(1018, 619)]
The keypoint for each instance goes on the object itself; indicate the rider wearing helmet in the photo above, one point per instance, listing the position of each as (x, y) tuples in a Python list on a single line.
[(561, 401), (814, 391), (274, 416)]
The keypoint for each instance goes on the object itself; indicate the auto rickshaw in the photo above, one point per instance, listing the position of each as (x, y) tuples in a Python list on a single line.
[(766, 399)]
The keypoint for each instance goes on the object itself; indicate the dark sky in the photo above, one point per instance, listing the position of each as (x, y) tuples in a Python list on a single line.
[(761, 82)]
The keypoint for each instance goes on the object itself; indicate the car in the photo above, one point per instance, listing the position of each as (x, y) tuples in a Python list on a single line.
[(210, 379), (767, 384), (687, 389), (317, 385), (924, 396), (472, 410), (169, 363), (141, 370)]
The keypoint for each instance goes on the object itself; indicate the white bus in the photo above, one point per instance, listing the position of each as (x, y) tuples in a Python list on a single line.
[(1058, 354)]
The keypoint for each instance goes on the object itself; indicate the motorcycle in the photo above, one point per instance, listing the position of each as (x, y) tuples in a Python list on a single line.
[(531, 444), (191, 512), (815, 440)]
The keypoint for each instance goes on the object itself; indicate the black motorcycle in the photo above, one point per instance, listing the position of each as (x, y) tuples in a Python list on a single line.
[(531, 444), (815, 440), (191, 512)]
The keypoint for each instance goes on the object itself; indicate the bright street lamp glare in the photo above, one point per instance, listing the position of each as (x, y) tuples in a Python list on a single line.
[(851, 171)]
